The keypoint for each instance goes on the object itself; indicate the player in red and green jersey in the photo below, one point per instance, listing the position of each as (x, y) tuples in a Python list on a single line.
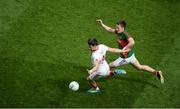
[(126, 42)]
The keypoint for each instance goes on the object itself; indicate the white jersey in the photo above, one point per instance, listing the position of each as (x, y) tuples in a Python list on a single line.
[(100, 55)]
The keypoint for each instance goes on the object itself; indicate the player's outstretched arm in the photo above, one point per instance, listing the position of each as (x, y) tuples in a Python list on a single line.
[(96, 65), (107, 28), (115, 50)]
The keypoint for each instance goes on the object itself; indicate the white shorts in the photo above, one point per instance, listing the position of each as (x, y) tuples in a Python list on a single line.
[(99, 74), (122, 61)]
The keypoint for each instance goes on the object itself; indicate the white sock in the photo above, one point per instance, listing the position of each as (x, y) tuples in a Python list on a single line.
[(97, 88)]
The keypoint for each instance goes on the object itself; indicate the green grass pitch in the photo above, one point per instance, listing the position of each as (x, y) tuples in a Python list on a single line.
[(43, 47)]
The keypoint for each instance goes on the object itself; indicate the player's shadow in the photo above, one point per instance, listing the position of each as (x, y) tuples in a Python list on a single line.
[(138, 81), (84, 85), (134, 80)]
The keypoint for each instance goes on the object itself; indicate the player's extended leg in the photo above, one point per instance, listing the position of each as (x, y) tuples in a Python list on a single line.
[(116, 63), (138, 66), (94, 85)]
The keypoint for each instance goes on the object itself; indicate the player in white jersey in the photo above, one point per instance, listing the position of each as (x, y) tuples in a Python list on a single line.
[(100, 66)]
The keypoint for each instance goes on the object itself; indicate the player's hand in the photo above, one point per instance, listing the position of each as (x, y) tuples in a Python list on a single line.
[(125, 50), (99, 21), (88, 71)]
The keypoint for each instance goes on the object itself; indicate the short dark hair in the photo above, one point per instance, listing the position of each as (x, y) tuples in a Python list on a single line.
[(92, 41), (122, 23)]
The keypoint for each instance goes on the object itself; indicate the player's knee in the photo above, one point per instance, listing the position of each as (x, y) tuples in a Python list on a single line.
[(111, 65), (140, 67)]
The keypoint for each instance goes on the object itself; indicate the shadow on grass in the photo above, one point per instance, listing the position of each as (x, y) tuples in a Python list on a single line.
[(138, 81)]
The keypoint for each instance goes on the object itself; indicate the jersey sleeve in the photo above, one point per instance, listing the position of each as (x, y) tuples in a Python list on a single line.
[(104, 47)]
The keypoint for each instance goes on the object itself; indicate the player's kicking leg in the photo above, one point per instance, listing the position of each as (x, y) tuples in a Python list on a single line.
[(95, 88), (91, 78), (137, 65)]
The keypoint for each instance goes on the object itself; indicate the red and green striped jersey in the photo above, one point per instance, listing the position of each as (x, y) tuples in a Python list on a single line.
[(122, 42)]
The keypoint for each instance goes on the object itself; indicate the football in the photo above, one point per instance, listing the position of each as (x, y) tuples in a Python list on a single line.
[(74, 86)]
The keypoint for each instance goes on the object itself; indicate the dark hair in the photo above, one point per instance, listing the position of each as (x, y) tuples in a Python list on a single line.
[(122, 23), (92, 41)]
